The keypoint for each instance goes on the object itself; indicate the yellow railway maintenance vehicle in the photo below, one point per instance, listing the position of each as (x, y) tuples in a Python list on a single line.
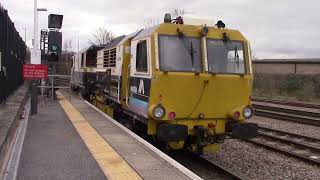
[(188, 85)]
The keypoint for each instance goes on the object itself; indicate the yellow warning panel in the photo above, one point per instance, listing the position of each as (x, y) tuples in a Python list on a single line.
[(111, 163)]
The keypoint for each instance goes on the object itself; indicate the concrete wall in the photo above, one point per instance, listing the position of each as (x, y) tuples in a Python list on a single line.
[(273, 68), (292, 66), (308, 68), (291, 78)]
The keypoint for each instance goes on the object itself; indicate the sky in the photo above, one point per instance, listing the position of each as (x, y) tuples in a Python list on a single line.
[(275, 28)]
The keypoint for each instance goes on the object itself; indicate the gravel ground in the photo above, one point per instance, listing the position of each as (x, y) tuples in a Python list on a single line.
[(258, 163), (307, 130)]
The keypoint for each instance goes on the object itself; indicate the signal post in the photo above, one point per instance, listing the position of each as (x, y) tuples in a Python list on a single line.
[(47, 55)]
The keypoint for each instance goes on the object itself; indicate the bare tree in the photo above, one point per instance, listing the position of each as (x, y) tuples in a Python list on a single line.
[(178, 12), (101, 36), (67, 45), (70, 45), (66, 58)]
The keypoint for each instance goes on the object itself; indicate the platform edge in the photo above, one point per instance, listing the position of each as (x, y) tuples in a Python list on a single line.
[(165, 157)]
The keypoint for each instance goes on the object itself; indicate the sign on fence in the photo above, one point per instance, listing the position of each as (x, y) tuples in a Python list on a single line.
[(35, 71)]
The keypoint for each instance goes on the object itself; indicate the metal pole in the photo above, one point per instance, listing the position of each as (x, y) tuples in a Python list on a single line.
[(34, 86), (78, 43), (52, 87), (34, 97), (70, 91), (35, 29)]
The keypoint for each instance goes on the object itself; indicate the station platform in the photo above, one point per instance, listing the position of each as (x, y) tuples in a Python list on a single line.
[(71, 139)]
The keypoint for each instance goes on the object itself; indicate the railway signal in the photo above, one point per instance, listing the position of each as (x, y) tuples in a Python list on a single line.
[(55, 41), (54, 44), (54, 36), (55, 21)]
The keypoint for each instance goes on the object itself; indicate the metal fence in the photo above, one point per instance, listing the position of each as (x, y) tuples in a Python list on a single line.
[(53, 83), (12, 56)]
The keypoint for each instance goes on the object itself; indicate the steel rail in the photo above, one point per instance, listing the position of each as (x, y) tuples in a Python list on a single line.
[(284, 151), (221, 168), (289, 103), (193, 161), (288, 146), (289, 133), (291, 141), (301, 112), (287, 117)]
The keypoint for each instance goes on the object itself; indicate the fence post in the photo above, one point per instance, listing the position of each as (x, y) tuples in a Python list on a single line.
[(34, 97), (70, 91), (52, 87)]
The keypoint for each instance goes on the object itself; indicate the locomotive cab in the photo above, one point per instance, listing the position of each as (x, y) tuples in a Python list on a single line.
[(189, 85), (193, 88)]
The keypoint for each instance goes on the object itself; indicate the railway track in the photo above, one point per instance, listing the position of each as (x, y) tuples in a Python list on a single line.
[(221, 168), (303, 115), (288, 117), (302, 147), (204, 167), (289, 103)]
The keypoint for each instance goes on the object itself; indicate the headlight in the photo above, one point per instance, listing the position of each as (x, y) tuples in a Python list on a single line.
[(158, 112), (247, 112)]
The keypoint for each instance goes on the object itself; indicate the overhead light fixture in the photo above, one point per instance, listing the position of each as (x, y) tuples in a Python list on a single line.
[(42, 9)]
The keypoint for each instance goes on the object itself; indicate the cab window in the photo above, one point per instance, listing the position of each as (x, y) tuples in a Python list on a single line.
[(141, 58), (225, 57), (180, 53)]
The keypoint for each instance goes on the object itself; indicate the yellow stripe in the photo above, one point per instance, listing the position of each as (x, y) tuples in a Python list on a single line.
[(111, 163)]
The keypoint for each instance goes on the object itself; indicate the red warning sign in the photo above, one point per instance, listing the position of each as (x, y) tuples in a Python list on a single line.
[(35, 71)]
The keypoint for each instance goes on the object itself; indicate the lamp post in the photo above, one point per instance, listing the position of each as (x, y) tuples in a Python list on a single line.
[(35, 58), (35, 30)]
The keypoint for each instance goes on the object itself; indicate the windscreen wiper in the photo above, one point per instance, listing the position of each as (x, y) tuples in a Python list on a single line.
[(225, 40), (188, 45), (236, 54)]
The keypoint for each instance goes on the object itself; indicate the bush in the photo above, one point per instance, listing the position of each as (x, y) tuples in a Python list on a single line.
[(293, 86), (316, 85)]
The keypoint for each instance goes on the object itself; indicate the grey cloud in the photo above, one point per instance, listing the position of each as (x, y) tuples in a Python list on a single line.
[(287, 28)]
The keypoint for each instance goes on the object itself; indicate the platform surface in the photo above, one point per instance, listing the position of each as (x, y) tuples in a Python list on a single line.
[(147, 163), (71, 139), (53, 149)]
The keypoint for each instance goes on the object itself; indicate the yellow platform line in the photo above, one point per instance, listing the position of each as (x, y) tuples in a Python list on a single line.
[(111, 163)]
